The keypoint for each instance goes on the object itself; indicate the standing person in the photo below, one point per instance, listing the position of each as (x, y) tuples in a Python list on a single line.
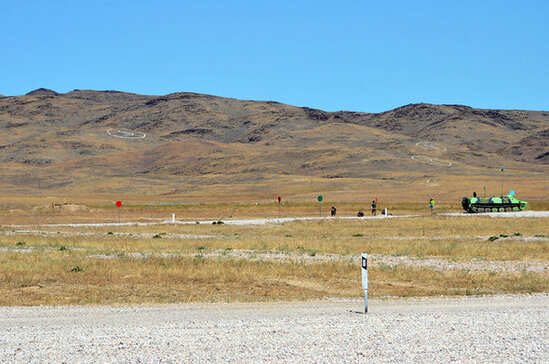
[(374, 206), (432, 206), (333, 212)]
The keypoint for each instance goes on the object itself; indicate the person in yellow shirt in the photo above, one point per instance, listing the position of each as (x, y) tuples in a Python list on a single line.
[(432, 206)]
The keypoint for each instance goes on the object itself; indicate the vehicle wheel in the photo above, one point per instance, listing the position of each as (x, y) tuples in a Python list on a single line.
[(508, 209)]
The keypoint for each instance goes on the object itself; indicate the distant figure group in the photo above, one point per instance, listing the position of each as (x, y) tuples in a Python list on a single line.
[(373, 206)]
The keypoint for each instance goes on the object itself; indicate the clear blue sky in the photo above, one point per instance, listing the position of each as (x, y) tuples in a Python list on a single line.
[(347, 55)]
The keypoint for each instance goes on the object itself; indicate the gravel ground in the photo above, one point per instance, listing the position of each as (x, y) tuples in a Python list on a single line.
[(210, 236), (527, 213), (432, 262), (484, 329), (126, 235), (265, 221), (279, 220)]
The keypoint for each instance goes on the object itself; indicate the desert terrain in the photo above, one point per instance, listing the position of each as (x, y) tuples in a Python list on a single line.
[(93, 146), (202, 263)]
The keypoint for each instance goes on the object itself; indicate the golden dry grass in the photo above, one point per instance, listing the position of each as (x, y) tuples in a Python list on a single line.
[(449, 237), (47, 279), (402, 193), (44, 276)]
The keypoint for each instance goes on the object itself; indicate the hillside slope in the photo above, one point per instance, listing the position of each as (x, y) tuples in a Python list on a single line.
[(88, 140)]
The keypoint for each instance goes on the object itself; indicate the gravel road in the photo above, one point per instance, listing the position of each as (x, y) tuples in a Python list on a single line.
[(280, 220), (482, 329)]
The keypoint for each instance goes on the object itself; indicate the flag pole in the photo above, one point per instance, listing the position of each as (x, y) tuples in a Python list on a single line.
[(502, 169)]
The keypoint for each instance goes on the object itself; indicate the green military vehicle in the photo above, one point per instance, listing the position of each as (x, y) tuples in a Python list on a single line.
[(493, 204)]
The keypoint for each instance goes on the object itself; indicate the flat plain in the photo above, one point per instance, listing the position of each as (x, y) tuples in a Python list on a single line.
[(195, 260)]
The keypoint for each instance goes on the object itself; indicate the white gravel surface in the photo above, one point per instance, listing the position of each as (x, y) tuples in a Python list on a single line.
[(376, 260), (280, 220), (527, 213), (265, 221), (210, 236), (500, 329)]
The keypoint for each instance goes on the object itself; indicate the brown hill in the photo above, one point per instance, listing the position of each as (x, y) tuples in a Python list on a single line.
[(101, 141)]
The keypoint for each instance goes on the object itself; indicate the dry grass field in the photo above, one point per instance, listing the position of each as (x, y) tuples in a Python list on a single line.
[(166, 263), (66, 158)]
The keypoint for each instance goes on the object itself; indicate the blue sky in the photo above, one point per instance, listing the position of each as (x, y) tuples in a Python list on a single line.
[(348, 55)]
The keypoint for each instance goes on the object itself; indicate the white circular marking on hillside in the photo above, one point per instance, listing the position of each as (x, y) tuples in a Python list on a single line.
[(429, 145), (126, 134), (431, 161)]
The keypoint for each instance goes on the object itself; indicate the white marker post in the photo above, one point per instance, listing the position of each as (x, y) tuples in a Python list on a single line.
[(173, 218), (365, 280)]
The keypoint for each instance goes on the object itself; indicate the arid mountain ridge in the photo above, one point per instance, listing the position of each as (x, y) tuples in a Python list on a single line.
[(82, 137)]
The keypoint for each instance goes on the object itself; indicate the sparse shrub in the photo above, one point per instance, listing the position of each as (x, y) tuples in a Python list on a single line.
[(157, 236), (198, 222), (201, 248), (20, 243), (220, 222), (228, 248), (110, 233), (61, 248), (503, 236), (517, 234), (77, 269), (309, 252), (287, 236), (214, 223), (493, 238), (357, 235), (386, 267)]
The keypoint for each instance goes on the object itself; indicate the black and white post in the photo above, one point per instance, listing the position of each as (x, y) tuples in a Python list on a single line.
[(365, 280)]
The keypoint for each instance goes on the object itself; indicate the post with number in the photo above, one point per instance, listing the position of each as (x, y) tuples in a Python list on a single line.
[(365, 280)]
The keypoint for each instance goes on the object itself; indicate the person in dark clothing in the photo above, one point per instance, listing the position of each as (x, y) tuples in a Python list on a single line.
[(333, 212), (374, 207)]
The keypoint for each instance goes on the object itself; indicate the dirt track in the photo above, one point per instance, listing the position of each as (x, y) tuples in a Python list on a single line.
[(492, 329)]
